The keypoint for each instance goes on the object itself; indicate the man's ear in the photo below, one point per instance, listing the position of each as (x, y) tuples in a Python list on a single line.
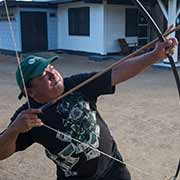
[(30, 92)]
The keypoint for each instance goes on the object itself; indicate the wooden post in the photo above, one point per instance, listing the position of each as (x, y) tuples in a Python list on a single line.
[(172, 10)]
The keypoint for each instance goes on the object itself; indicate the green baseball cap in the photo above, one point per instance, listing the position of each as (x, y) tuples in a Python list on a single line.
[(32, 66)]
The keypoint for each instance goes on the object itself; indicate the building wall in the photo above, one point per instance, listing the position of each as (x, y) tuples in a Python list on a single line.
[(115, 17), (115, 24), (93, 43), (6, 41), (52, 30), (107, 24)]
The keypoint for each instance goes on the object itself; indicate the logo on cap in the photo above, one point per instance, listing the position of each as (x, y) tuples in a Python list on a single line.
[(31, 61)]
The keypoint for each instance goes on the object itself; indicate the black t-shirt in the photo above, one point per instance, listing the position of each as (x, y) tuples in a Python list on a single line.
[(76, 116)]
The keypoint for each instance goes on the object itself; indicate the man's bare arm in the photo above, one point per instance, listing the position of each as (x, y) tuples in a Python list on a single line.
[(24, 122), (8, 143), (133, 66)]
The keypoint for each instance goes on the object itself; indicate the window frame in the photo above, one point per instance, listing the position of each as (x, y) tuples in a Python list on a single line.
[(79, 21)]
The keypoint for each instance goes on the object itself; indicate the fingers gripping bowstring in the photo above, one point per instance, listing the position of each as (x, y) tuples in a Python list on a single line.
[(17, 55), (55, 130)]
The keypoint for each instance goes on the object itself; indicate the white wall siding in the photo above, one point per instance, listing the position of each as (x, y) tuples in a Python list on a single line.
[(52, 31), (6, 42), (107, 24), (92, 43), (115, 24), (116, 27)]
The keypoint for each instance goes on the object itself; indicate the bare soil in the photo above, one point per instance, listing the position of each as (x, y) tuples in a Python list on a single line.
[(143, 116)]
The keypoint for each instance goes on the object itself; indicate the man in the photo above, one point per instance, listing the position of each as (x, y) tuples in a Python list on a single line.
[(75, 117)]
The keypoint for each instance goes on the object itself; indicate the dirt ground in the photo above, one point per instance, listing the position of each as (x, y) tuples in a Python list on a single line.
[(143, 116)]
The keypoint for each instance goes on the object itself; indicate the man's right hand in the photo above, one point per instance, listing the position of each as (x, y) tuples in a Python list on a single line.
[(27, 120)]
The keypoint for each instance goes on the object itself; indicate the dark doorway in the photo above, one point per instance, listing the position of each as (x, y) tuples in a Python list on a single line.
[(34, 31)]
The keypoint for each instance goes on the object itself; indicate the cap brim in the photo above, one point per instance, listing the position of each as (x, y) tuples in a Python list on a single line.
[(52, 59)]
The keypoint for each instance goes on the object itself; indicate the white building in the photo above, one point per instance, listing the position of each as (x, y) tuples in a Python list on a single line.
[(34, 26), (91, 26)]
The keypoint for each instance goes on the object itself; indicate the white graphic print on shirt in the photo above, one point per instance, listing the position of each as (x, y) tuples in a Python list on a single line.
[(80, 123)]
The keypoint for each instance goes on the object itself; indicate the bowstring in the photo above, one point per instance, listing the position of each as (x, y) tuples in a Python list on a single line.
[(103, 153), (49, 127)]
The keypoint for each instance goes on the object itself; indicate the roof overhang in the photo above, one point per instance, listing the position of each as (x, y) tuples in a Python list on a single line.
[(12, 4), (52, 4), (123, 2)]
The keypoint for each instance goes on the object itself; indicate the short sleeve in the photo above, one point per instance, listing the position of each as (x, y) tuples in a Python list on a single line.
[(100, 86)]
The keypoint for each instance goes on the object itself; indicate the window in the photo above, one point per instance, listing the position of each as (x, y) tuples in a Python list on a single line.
[(79, 21), (131, 22)]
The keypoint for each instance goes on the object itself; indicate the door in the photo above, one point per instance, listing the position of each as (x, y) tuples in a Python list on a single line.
[(34, 31)]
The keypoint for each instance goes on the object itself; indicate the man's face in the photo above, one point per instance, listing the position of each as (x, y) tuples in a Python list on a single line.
[(46, 87)]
